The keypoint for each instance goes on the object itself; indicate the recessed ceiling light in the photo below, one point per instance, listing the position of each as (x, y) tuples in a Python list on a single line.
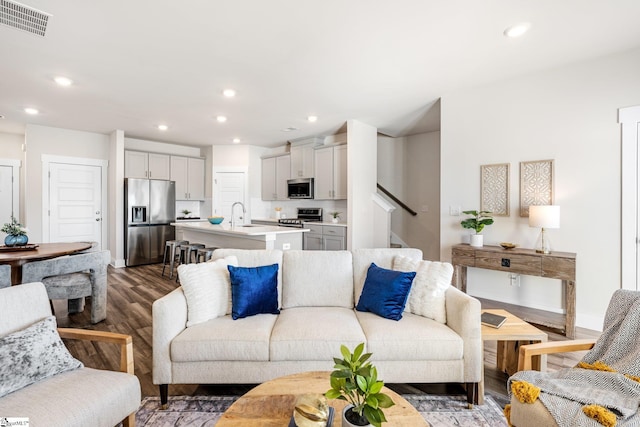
[(229, 93), (236, 140), (1, 117), (312, 118), (163, 127), (63, 81), (221, 119), (517, 30), (289, 129), (31, 111)]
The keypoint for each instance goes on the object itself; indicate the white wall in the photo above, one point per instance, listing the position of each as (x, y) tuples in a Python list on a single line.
[(361, 183), (567, 114), (409, 168), (116, 198)]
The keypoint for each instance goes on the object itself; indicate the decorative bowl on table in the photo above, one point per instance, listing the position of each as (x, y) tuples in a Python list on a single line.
[(507, 245), (216, 219)]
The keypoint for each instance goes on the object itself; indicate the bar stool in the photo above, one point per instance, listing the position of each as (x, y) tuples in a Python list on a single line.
[(187, 250), (170, 247), (204, 254)]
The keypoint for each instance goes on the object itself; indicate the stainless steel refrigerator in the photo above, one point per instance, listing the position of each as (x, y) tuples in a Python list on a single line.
[(150, 206)]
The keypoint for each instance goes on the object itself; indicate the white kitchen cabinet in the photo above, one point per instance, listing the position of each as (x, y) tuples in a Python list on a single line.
[(138, 164), (188, 173), (275, 173), (330, 166), (302, 161)]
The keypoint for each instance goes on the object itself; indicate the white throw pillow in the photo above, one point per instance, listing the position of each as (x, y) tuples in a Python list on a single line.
[(207, 288), (427, 295)]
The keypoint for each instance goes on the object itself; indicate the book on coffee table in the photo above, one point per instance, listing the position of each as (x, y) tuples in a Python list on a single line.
[(492, 320), (292, 423)]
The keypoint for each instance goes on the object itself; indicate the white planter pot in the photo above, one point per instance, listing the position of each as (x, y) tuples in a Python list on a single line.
[(476, 240), (334, 220), (345, 422)]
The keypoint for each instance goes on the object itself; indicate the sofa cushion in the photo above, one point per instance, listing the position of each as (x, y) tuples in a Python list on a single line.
[(207, 288), (33, 354), (427, 295), (411, 338), (314, 333), (79, 398), (385, 292), (382, 257), (255, 258), (317, 279), (254, 290), (223, 338)]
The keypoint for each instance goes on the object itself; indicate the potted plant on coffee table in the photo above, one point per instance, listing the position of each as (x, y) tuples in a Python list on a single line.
[(477, 223), (356, 381)]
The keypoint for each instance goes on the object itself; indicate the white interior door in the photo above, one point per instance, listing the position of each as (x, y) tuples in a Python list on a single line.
[(629, 118), (75, 203), (229, 187), (8, 194)]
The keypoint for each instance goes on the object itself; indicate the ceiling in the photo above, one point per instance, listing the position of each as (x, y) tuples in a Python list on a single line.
[(138, 64)]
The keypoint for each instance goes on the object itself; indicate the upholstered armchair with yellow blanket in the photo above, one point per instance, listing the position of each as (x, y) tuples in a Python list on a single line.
[(602, 389)]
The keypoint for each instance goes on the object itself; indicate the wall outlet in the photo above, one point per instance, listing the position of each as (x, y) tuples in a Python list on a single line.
[(286, 246), (455, 210)]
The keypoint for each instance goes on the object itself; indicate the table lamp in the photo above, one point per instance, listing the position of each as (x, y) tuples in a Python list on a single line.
[(544, 217)]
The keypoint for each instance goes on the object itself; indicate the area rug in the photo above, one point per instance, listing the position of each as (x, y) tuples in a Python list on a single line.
[(204, 411)]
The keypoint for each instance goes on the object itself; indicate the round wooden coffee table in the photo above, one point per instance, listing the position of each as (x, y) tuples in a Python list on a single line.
[(271, 403)]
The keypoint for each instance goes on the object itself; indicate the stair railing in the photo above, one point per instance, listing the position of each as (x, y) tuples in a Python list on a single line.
[(395, 199)]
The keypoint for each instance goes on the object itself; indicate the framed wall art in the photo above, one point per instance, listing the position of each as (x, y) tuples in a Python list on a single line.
[(494, 189), (536, 184)]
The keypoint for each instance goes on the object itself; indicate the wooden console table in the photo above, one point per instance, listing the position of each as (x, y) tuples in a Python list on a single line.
[(555, 265)]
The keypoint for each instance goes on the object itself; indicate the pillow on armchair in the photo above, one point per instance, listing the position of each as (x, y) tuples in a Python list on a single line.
[(33, 354), (427, 295)]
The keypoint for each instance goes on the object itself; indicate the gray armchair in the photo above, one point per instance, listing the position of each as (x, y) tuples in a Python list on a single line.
[(74, 277), (5, 276)]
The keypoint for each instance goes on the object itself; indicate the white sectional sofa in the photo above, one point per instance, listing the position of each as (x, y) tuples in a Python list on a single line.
[(317, 293)]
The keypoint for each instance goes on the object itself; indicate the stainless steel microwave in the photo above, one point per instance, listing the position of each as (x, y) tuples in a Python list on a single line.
[(301, 188)]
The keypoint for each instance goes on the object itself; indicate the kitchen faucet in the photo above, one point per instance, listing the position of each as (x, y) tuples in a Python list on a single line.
[(244, 211)]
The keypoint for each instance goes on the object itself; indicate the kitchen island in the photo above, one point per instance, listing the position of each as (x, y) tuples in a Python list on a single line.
[(245, 236)]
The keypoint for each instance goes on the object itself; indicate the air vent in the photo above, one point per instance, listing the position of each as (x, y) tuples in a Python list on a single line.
[(25, 18)]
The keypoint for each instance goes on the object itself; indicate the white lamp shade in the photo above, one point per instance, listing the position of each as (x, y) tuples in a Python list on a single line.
[(544, 216)]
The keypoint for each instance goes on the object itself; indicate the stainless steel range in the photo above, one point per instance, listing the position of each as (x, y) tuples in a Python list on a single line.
[(303, 215)]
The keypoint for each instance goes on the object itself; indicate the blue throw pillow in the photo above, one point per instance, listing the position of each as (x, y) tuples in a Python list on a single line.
[(385, 292), (254, 290)]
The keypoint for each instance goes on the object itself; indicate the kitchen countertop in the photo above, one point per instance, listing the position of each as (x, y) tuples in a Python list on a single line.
[(274, 220), (239, 230)]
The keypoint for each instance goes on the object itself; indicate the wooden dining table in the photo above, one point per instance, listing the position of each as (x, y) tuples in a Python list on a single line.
[(19, 256)]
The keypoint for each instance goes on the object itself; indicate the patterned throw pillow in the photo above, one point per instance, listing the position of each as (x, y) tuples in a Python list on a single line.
[(207, 289), (427, 296), (33, 354)]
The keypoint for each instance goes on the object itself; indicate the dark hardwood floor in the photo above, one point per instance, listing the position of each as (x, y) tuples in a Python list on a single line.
[(132, 290)]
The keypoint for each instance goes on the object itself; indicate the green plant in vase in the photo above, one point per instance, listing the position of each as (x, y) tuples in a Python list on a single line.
[(477, 222), (16, 233), (356, 381)]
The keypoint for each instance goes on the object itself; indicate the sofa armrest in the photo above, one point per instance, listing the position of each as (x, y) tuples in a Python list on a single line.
[(169, 315), (552, 347), (124, 341), (463, 316)]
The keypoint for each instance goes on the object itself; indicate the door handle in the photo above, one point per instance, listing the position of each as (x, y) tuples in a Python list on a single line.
[(97, 219)]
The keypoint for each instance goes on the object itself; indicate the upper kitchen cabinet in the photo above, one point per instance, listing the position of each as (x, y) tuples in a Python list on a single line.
[(330, 164), (275, 173), (188, 173), (138, 164), (302, 157)]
